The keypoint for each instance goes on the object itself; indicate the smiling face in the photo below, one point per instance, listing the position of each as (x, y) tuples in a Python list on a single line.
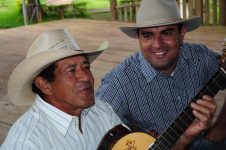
[(160, 46), (72, 89)]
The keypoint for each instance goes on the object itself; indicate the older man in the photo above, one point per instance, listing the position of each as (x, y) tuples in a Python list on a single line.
[(55, 77)]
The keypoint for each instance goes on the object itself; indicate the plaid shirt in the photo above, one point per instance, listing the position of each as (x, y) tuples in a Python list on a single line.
[(150, 99)]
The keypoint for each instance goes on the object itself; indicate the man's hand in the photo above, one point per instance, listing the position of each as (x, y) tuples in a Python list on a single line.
[(204, 110)]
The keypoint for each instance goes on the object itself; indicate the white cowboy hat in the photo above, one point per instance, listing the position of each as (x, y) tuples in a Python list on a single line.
[(48, 48), (153, 13)]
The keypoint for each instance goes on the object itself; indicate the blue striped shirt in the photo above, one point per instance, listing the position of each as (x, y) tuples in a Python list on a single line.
[(150, 99), (44, 127)]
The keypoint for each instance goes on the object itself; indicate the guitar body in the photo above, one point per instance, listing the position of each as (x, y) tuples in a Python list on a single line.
[(122, 138), (134, 141)]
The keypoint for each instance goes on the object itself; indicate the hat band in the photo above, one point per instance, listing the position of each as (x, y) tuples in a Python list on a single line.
[(159, 22)]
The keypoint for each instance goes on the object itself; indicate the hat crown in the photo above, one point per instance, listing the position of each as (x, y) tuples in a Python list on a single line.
[(157, 11), (59, 39)]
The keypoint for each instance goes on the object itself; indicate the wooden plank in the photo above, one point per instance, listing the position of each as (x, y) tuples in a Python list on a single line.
[(206, 12), (125, 14), (184, 9), (223, 12), (131, 12), (199, 8), (191, 9), (120, 13), (214, 16), (114, 12)]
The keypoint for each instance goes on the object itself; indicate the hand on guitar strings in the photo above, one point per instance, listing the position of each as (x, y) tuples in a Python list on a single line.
[(204, 110)]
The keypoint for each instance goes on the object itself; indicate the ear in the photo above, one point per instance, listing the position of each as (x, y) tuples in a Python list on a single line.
[(183, 32), (43, 85)]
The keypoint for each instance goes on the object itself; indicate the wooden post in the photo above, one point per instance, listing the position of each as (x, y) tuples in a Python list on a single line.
[(131, 6), (191, 10), (114, 12), (24, 12), (125, 13), (215, 12), (199, 8), (184, 3), (207, 14), (38, 12), (223, 12)]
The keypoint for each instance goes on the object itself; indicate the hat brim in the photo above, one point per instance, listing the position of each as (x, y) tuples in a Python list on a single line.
[(20, 82), (190, 24)]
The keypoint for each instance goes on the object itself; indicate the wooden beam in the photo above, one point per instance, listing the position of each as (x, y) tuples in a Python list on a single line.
[(199, 8), (191, 9), (206, 12), (184, 8), (223, 12), (24, 12), (214, 16), (114, 12)]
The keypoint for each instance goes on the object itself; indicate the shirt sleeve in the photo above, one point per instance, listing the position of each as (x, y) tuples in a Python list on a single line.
[(213, 60), (213, 63), (111, 92)]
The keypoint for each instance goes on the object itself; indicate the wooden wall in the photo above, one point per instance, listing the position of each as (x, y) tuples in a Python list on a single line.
[(213, 12)]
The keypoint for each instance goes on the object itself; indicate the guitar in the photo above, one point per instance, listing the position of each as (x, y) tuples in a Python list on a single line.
[(130, 140)]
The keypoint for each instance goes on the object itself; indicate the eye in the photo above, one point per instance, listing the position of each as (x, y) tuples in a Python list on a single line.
[(71, 70), (146, 35), (86, 65), (167, 33)]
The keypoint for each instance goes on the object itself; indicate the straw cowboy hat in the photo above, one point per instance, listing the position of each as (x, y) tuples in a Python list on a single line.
[(153, 13), (48, 48)]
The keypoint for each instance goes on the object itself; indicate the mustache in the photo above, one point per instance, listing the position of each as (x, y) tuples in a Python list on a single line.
[(83, 85)]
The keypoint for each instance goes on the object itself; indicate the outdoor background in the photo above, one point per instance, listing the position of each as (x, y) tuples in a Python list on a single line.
[(11, 14)]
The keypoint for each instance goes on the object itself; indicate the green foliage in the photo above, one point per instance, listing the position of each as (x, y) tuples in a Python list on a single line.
[(10, 14), (19, 5), (96, 4), (81, 9)]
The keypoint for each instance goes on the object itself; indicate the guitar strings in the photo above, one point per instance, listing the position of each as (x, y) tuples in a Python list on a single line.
[(159, 143)]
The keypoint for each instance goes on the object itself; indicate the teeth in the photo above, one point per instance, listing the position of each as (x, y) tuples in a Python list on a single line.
[(160, 53)]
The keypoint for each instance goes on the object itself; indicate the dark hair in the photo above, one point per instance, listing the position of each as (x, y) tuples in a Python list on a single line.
[(180, 25), (48, 74)]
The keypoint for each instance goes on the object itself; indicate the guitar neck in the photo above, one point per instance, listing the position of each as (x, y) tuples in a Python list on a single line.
[(177, 128)]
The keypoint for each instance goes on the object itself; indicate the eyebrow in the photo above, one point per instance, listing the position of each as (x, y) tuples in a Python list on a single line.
[(168, 29), (84, 62), (165, 30)]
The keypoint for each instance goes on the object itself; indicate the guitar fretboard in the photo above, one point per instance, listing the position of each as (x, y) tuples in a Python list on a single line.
[(177, 128)]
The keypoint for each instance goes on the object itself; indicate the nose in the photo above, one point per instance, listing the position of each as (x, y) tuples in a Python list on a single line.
[(83, 75), (156, 41)]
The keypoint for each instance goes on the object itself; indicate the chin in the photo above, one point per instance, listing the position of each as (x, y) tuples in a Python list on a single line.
[(89, 103)]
